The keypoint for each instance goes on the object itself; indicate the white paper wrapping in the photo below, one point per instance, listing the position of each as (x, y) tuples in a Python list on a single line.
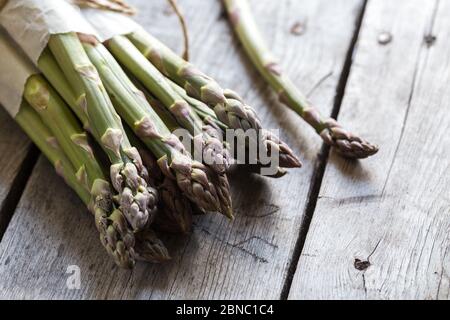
[(109, 24), (31, 22), (15, 69)]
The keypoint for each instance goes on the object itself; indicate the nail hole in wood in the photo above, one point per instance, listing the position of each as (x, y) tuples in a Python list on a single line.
[(385, 38), (298, 28), (430, 40)]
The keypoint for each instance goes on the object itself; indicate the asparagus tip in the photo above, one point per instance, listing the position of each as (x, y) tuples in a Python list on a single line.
[(286, 156), (228, 212), (281, 172), (150, 248), (346, 143), (289, 160)]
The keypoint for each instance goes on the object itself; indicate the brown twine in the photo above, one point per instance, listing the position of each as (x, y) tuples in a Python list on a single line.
[(112, 5), (184, 28), (123, 7)]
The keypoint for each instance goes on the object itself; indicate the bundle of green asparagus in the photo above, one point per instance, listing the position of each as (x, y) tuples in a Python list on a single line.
[(332, 133), (132, 108), (47, 120)]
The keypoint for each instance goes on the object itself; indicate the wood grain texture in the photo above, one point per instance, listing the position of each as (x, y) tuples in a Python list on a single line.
[(381, 227), (13, 149), (246, 258)]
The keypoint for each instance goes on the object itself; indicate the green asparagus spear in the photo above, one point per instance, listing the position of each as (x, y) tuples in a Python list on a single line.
[(31, 123), (332, 133), (207, 115), (71, 137), (55, 76)]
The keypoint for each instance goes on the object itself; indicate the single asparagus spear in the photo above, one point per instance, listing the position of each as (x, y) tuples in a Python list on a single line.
[(53, 73), (58, 118), (162, 112), (137, 199), (150, 248), (208, 146), (332, 133), (33, 126), (203, 112), (175, 209), (227, 105), (192, 177), (164, 115)]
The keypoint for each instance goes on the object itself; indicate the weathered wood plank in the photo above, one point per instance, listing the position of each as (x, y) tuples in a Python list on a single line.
[(13, 149), (50, 230), (246, 258), (381, 227)]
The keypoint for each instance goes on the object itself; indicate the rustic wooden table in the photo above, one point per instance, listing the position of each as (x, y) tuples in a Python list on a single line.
[(376, 229)]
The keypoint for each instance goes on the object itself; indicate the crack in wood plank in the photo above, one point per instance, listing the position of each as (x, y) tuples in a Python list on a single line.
[(353, 200), (319, 83), (238, 244), (411, 94), (322, 158)]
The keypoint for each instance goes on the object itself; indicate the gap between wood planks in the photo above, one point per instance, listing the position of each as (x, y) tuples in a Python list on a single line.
[(17, 188), (322, 160)]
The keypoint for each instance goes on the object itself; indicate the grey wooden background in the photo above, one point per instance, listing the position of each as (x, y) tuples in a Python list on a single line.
[(336, 229)]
